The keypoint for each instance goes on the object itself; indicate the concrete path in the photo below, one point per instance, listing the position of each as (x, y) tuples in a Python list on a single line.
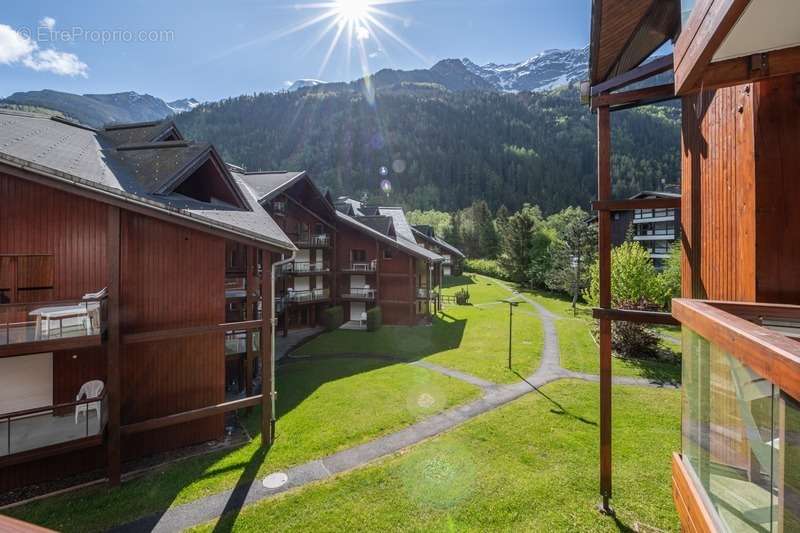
[(284, 345), (208, 508)]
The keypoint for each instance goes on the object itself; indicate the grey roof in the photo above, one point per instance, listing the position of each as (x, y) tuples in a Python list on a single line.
[(378, 223), (401, 225), (266, 185), (402, 244), (354, 204), (655, 194), (437, 241), (142, 132), (156, 168), (85, 158)]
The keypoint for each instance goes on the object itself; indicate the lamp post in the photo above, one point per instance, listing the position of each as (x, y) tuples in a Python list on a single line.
[(511, 305)]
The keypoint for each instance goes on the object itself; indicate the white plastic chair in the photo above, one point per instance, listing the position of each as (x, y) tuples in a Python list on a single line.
[(93, 308), (363, 318), (89, 390)]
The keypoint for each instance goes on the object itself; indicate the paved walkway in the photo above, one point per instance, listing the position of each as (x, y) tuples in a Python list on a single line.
[(284, 345), (211, 507)]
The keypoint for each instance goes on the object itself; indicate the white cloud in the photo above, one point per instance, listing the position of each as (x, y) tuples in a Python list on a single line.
[(47, 22), (14, 46), (62, 63)]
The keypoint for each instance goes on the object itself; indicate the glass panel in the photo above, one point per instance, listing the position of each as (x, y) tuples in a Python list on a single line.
[(730, 436), (686, 10)]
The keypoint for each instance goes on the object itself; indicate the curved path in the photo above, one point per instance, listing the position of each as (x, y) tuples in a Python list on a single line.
[(494, 395)]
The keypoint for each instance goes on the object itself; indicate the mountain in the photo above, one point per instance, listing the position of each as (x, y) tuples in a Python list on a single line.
[(545, 71), (442, 148), (98, 109), (302, 84)]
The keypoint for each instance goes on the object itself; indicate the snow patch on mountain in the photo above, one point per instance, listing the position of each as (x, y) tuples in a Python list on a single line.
[(302, 84), (183, 105)]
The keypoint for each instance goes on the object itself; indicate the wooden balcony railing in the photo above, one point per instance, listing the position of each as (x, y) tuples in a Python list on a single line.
[(739, 468)]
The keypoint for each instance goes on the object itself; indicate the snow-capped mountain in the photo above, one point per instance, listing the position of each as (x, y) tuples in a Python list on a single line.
[(544, 71), (183, 105), (302, 84)]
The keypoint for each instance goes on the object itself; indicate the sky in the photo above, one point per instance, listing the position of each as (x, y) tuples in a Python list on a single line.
[(210, 50)]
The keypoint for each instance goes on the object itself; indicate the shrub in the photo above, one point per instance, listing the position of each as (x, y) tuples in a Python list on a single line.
[(634, 280), (374, 319), (462, 297), (332, 318), (634, 340), (487, 267)]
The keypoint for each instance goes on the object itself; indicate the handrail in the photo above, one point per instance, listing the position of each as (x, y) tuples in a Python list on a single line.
[(48, 408), (53, 303), (362, 266)]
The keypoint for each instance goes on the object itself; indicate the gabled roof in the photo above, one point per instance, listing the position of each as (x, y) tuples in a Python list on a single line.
[(379, 223), (626, 32), (354, 206), (399, 243), (142, 132), (267, 185), (401, 225), (432, 238), (86, 159)]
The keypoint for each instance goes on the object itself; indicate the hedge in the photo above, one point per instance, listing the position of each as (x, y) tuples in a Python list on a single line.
[(332, 318), (487, 267), (374, 319)]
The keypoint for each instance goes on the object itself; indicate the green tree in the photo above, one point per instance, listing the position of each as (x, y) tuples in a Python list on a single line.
[(572, 251), (670, 277), (634, 280), (524, 245), (441, 222)]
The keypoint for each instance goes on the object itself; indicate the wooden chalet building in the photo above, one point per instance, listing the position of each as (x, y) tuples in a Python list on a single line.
[(452, 257), (117, 248), (736, 71)]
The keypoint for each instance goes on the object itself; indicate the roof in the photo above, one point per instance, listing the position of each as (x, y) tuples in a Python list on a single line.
[(378, 223), (267, 185), (87, 159), (409, 247), (432, 238), (401, 225), (355, 205), (655, 194), (142, 132), (626, 32)]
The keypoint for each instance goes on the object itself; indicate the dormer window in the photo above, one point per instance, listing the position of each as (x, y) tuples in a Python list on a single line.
[(279, 207)]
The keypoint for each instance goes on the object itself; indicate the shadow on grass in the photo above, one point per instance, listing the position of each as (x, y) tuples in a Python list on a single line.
[(664, 371), (239, 495), (457, 281), (559, 409)]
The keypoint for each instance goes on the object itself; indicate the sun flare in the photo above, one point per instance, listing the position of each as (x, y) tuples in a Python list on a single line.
[(352, 10)]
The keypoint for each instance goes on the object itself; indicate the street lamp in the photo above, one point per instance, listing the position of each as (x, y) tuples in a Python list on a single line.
[(511, 305)]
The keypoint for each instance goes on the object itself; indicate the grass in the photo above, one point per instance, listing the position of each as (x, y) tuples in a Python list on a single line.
[(471, 338), (529, 466), (321, 409), (579, 351)]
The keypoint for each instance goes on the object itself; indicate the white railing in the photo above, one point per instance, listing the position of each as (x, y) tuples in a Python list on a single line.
[(359, 293)]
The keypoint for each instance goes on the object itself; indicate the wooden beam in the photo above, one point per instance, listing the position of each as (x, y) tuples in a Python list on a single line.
[(113, 381), (164, 334), (631, 315), (642, 72), (637, 203), (190, 416), (310, 212), (741, 70), (251, 285), (604, 258), (12, 525), (68, 343), (267, 362), (647, 95), (692, 512), (708, 25)]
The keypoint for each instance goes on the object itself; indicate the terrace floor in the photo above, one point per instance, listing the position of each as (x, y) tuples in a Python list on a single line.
[(45, 430)]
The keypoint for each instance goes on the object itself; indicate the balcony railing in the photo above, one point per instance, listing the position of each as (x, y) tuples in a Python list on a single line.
[(741, 415), (364, 266), (306, 296), (32, 429), (423, 293), (48, 321), (305, 267), (321, 240), (359, 293)]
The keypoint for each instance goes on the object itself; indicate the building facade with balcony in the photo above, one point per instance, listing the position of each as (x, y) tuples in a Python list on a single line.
[(657, 230), (453, 258), (735, 68), (116, 258)]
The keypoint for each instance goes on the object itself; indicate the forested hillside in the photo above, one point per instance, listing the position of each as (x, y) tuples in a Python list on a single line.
[(441, 149)]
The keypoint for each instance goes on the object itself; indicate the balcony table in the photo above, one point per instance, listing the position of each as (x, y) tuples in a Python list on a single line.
[(45, 314)]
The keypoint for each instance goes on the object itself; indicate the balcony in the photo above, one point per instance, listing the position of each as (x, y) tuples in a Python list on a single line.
[(304, 268), (307, 296), (740, 460), (423, 293), (363, 294), (362, 267), (47, 326), (53, 425), (322, 240)]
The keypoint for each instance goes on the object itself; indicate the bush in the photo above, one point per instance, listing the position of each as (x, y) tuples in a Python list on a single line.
[(635, 341), (487, 267), (634, 280), (332, 318), (374, 319), (462, 297)]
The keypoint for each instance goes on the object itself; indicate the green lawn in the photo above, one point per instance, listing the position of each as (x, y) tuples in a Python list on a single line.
[(529, 466), (323, 406), (471, 338)]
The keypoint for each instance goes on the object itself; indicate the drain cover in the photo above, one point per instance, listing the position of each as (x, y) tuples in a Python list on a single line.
[(275, 481)]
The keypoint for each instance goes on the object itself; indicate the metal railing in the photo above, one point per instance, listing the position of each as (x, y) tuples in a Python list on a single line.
[(312, 295), (359, 293), (43, 321), (322, 240), (365, 266), (40, 427), (305, 267), (422, 292)]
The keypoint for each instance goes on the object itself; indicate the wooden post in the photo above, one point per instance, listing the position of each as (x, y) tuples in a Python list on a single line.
[(250, 287), (604, 255), (266, 350), (113, 392)]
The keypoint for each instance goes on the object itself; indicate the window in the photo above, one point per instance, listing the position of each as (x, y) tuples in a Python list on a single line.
[(26, 278), (358, 256), (388, 253)]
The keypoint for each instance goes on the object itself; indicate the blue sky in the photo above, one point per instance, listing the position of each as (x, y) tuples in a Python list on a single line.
[(213, 49)]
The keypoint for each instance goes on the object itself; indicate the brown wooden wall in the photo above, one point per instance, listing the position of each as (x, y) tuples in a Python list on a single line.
[(40, 220), (172, 277), (718, 200)]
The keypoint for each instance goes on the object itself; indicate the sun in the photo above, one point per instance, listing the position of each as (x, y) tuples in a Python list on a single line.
[(352, 10)]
